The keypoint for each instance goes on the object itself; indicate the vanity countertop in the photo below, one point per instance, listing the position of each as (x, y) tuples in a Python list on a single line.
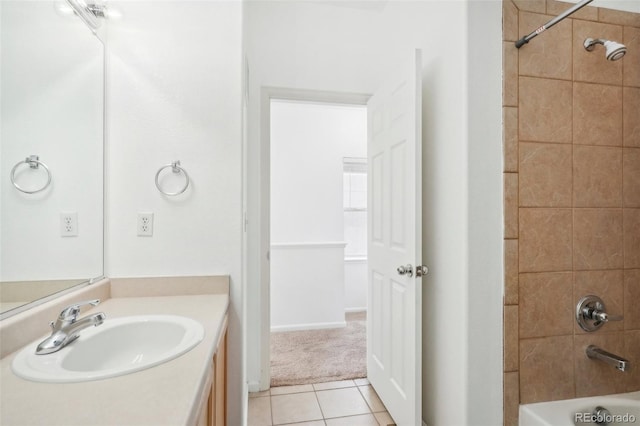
[(168, 394)]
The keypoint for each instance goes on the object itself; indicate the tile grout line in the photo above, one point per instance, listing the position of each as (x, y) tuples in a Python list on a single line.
[(271, 406), (315, 393), (366, 401)]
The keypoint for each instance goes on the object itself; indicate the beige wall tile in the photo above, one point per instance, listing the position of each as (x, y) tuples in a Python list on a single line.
[(632, 238), (555, 8), (545, 240), (593, 66), (546, 304), (631, 176), (545, 107), (619, 17), (511, 338), (510, 141), (511, 398), (609, 286), (595, 377), (631, 299), (632, 353), (545, 178), (538, 6), (509, 21), (509, 74), (549, 55), (510, 272), (597, 114), (631, 114), (597, 174), (571, 215), (631, 61), (511, 205), (546, 369), (597, 239)]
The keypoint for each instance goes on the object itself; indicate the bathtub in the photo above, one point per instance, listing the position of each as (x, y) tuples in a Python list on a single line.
[(624, 409)]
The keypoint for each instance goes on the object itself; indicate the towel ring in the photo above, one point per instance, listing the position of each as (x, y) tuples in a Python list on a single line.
[(175, 168), (34, 163)]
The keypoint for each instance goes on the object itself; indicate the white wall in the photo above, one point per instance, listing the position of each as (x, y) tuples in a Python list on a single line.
[(308, 144), (51, 106), (485, 275), (174, 93), (307, 286), (350, 47), (355, 285)]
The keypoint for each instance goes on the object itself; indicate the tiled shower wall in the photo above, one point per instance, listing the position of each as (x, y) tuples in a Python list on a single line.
[(572, 201)]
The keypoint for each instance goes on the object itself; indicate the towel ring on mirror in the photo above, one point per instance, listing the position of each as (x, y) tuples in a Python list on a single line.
[(175, 168), (34, 163)]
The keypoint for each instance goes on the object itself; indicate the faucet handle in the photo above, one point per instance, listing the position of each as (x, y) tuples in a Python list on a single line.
[(591, 313), (71, 312), (602, 316)]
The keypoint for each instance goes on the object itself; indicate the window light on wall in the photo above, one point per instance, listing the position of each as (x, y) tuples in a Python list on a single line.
[(355, 207)]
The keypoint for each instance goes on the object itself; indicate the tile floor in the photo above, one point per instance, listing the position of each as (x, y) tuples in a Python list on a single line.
[(343, 403)]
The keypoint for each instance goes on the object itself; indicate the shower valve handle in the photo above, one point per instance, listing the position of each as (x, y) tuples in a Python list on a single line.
[(591, 313), (605, 317)]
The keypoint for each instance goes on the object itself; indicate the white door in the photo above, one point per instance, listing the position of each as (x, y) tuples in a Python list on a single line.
[(394, 329)]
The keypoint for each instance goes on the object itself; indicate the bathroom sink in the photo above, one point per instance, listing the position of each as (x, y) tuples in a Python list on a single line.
[(117, 347)]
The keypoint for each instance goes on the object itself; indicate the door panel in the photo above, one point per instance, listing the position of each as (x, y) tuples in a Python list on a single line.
[(394, 327)]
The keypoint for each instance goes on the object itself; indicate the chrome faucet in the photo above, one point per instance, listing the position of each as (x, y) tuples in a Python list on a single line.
[(616, 361), (591, 313), (66, 328)]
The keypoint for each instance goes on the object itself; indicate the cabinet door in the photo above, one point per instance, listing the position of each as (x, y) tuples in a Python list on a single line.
[(204, 418), (218, 395)]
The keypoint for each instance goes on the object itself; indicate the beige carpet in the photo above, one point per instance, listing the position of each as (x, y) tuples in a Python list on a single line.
[(316, 356)]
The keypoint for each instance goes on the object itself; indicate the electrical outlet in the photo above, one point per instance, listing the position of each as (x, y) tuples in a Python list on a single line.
[(145, 224), (69, 224)]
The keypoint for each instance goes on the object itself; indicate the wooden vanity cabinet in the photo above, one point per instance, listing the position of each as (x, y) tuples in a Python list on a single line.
[(218, 396), (214, 412)]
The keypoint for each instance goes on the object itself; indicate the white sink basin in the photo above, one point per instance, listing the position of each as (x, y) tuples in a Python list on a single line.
[(119, 346)]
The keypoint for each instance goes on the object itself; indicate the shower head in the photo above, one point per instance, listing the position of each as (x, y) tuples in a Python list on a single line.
[(613, 50)]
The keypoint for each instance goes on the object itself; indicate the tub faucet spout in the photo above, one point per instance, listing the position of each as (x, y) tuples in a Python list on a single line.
[(616, 361)]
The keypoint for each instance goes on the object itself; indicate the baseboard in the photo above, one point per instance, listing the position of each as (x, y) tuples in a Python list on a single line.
[(312, 326), (254, 387), (351, 310)]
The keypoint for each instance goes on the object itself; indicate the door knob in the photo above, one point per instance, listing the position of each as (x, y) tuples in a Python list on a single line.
[(421, 271), (405, 270)]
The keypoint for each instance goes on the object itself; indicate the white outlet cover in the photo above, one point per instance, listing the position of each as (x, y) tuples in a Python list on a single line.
[(69, 224), (145, 224)]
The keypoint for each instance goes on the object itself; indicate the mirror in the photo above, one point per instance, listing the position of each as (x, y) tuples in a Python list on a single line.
[(51, 152)]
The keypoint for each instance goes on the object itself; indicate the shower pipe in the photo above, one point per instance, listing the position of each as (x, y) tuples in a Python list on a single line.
[(524, 40)]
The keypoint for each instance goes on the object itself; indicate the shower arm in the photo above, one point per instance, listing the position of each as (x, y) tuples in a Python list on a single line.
[(524, 40)]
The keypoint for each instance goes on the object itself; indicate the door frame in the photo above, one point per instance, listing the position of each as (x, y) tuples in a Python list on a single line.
[(266, 96)]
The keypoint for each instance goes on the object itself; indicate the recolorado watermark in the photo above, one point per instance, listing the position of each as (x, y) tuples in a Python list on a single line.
[(604, 418)]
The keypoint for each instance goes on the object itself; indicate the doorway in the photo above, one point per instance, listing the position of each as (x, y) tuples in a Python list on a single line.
[(267, 95), (318, 240), (394, 187)]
